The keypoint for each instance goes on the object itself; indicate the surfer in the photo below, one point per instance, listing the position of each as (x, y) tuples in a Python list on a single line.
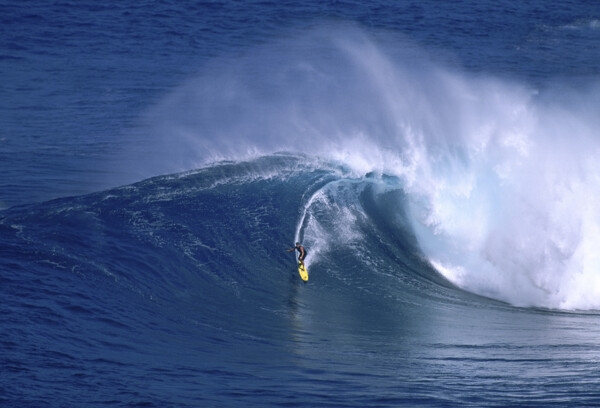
[(300, 249)]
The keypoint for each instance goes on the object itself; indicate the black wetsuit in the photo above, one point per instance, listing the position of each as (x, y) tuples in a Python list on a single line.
[(301, 256)]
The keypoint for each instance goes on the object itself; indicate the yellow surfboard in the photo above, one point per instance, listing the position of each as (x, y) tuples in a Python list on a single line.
[(302, 271)]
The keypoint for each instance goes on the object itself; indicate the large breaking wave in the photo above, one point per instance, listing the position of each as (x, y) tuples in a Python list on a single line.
[(500, 179)]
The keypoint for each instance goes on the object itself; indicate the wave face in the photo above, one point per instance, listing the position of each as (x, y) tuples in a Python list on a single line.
[(219, 235), (181, 285), (182, 282)]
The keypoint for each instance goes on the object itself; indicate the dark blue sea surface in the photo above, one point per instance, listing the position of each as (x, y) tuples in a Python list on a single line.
[(438, 161)]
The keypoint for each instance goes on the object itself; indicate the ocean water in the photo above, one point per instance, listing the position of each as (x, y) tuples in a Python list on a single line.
[(438, 161)]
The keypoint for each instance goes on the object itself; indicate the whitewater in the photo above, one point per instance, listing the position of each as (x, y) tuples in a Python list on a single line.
[(442, 177)]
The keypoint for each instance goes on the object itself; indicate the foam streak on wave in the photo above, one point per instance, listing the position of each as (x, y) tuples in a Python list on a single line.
[(502, 178)]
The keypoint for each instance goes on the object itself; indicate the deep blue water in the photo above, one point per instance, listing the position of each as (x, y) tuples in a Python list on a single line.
[(438, 160)]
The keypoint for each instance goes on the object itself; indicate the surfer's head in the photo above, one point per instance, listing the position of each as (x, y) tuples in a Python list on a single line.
[(297, 243)]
